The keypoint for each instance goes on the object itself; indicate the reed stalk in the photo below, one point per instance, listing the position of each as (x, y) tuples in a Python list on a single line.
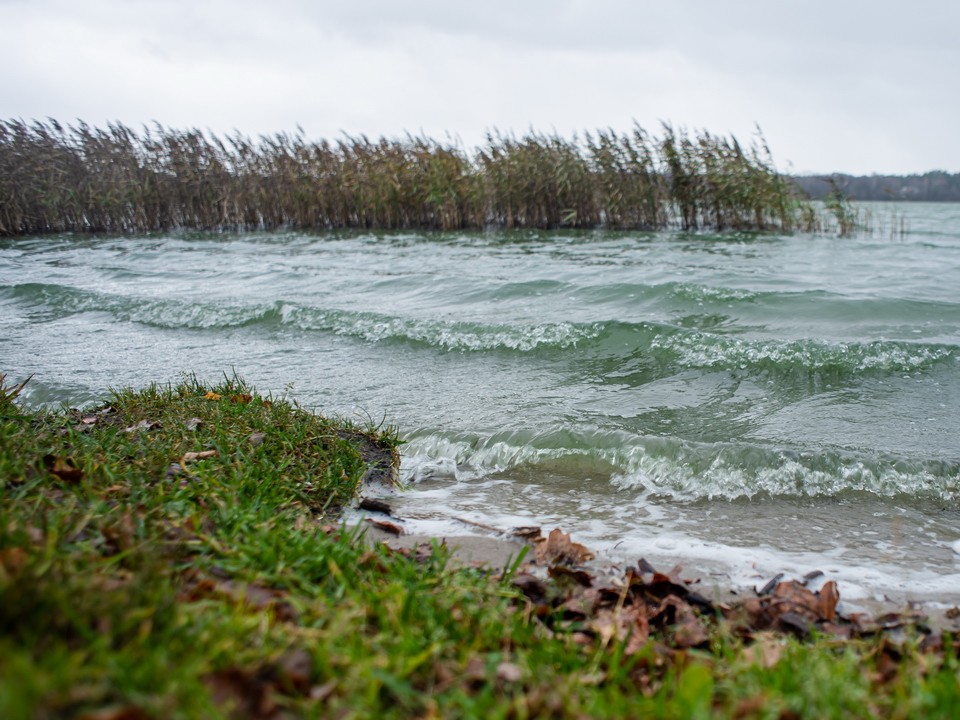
[(56, 179)]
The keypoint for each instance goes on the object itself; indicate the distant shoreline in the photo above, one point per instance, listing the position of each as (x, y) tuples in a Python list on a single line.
[(935, 186)]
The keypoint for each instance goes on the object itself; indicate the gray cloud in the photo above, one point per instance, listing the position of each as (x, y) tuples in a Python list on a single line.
[(850, 86)]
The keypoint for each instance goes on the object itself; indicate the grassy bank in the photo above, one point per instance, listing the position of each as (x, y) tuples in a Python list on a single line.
[(82, 179), (175, 553)]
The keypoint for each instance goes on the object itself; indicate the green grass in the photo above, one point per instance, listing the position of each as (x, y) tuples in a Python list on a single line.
[(226, 589)]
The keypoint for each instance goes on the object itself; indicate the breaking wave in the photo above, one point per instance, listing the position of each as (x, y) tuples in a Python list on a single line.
[(680, 470), (661, 346)]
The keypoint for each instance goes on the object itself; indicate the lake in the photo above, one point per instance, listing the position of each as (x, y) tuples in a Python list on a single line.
[(744, 404)]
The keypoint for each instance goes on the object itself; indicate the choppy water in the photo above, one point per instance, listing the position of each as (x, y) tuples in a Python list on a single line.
[(743, 403)]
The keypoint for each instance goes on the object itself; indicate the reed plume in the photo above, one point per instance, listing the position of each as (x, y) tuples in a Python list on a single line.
[(56, 179)]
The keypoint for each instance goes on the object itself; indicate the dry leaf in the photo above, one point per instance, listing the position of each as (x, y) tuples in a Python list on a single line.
[(386, 526), (628, 624), (255, 597), (322, 692), (145, 426), (559, 549), (580, 577), (374, 505), (509, 672), (243, 694), (203, 454), (794, 608), (530, 585), (688, 630), (121, 533), (12, 560), (256, 439), (828, 597), (194, 423), (751, 707), (765, 651), (241, 398), (211, 395), (63, 467), (294, 669)]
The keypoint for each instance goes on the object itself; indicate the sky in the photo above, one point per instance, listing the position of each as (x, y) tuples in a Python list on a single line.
[(843, 86)]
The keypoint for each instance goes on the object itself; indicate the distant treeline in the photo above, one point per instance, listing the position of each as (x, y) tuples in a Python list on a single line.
[(56, 178), (935, 186)]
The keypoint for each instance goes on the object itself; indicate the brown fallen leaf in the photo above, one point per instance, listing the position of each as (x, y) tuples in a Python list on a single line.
[(627, 624), (144, 426), (374, 505), (387, 527), (888, 659), (211, 395), (121, 533), (792, 607), (688, 630), (793, 597), (559, 549), (243, 694), (241, 398), (509, 672), (293, 671), (12, 561), (116, 490), (579, 607), (828, 597), (318, 693), (194, 424), (255, 597), (580, 577), (657, 586), (530, 585), (751, 707), (766, 650), (63, 468), (201, 455), (476, 670)]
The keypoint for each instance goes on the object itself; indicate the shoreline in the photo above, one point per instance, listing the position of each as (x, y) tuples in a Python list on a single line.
[(200, 533), (495, 552)]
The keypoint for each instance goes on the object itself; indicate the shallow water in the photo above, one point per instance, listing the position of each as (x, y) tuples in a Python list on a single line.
[(746, 404)]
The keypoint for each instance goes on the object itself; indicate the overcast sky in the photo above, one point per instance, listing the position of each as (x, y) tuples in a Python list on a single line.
[(845, 85)]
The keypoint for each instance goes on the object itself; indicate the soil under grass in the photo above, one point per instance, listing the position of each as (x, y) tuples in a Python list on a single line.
[(176, 553)]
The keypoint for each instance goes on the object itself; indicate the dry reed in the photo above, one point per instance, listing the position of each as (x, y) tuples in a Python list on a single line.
[(79, 178)]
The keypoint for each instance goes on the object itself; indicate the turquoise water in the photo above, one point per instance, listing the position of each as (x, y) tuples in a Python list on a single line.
[(742, 403)]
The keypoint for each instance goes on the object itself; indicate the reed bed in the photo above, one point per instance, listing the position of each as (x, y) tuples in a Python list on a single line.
[(56, 178)]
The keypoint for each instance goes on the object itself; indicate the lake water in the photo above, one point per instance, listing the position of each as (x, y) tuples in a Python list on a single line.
[(743, 404)]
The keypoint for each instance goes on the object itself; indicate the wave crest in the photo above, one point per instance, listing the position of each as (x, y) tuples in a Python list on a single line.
[(679, 470)]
